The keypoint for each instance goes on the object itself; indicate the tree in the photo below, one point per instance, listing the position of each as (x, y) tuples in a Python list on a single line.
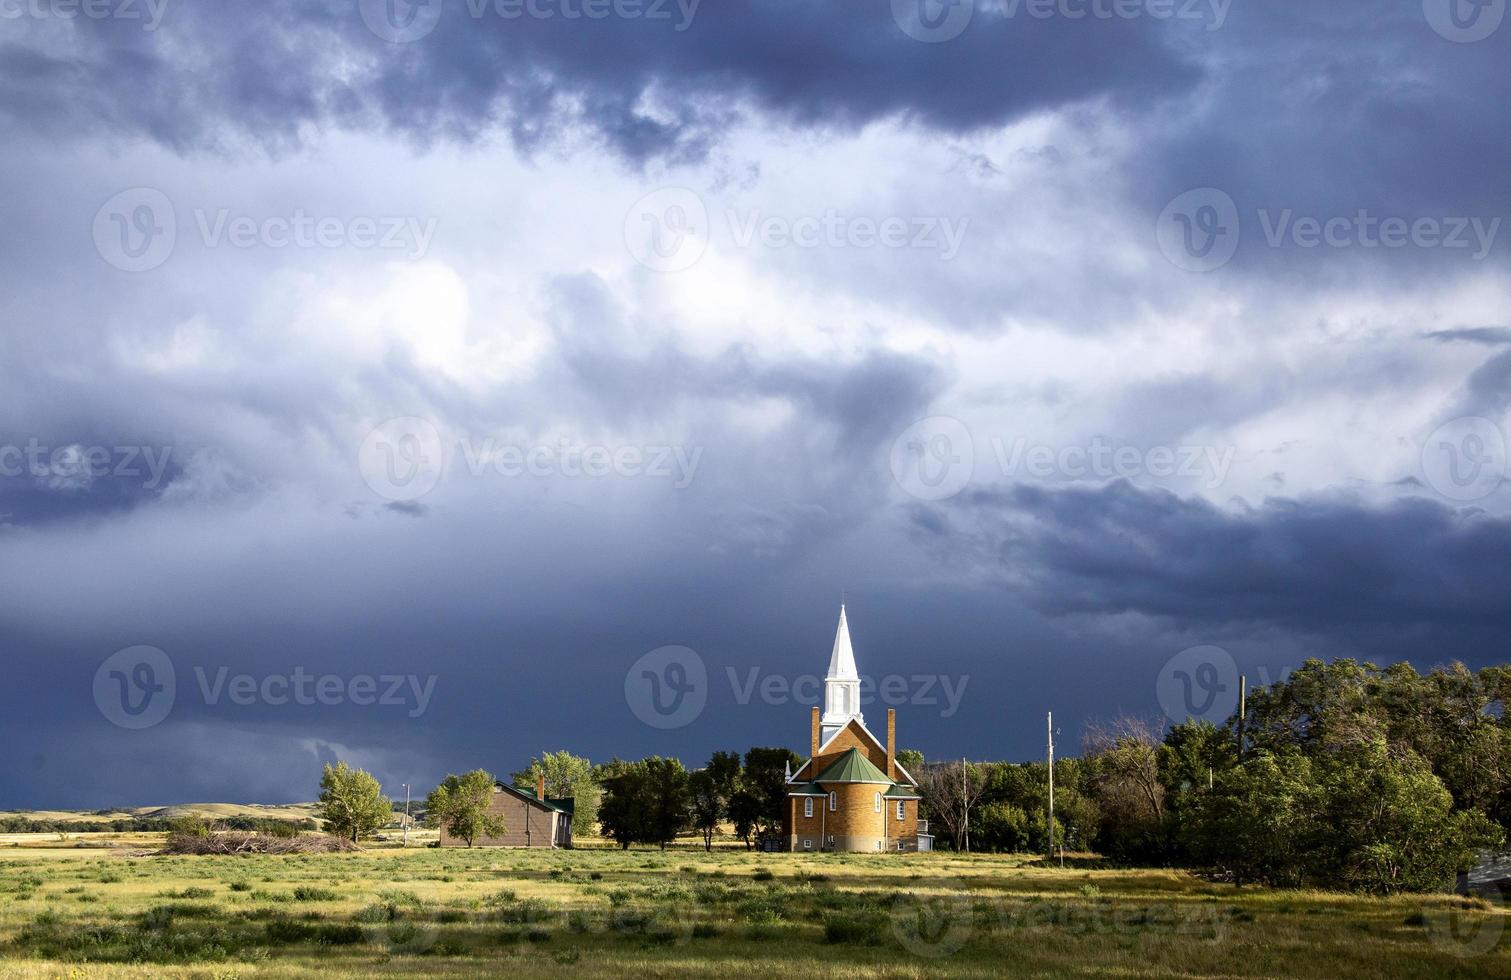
[(708, 805), (711, 789), (352, 803), (745, 808), (567, 775), (949, 791), (671, 800), (645, 802), (910, 759), (1122, 761), (624, 813), (765, 779), (461, 804)]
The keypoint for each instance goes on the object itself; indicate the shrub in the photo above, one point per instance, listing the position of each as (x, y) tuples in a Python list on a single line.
[(340, 935), (308, 893), (854, 928)]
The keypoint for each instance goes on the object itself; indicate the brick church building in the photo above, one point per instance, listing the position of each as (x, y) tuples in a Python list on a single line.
[(851, 794)]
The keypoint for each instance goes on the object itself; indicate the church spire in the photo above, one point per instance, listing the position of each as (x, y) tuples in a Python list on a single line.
[(842, 685), (842, 660)]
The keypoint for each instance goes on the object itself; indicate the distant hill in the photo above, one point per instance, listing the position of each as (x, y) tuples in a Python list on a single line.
[(211, 811)]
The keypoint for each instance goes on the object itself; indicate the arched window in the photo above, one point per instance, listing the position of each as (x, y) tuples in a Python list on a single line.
[(833, 801), (878, 802)]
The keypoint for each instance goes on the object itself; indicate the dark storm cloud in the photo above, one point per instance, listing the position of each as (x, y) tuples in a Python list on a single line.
[(1327, 109), (1330, 565), (866, 401), (267, 69), (1490, 336)]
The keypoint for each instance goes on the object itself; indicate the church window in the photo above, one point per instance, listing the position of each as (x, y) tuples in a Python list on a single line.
[(833, 801), (808, 807)]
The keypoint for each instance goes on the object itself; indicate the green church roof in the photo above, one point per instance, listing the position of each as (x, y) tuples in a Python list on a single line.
[(853, 767)]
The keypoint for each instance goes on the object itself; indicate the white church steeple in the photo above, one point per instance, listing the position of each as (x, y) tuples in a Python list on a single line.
[(841, 685)]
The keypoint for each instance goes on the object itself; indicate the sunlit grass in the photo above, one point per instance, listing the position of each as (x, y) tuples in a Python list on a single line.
[(126, 913)]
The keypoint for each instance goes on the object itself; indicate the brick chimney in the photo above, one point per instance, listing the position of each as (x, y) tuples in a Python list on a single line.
[(813, 750), (891, 743), (540, 786)]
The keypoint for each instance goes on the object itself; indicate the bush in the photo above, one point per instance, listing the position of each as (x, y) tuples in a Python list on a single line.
[(854, 929), (308, 893)]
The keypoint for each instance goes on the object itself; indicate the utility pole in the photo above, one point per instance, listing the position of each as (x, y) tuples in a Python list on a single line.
[(1243, 711), (1049, 724), (406, 816), (965, 802)]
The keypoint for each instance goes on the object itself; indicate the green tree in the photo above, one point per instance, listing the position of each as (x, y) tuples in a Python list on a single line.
[(708, 805), (567, 775), (624, 813), (911, 760), (745, 809), (352, 803), (645, 802), (461, 804), (765, 780)]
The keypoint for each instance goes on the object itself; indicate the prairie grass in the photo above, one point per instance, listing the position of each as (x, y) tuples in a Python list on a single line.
[(475, 913)]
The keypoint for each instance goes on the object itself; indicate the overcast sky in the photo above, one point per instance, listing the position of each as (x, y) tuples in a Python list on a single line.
[(494, 348)]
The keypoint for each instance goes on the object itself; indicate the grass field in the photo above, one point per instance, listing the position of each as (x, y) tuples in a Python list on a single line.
[(117, 911)]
